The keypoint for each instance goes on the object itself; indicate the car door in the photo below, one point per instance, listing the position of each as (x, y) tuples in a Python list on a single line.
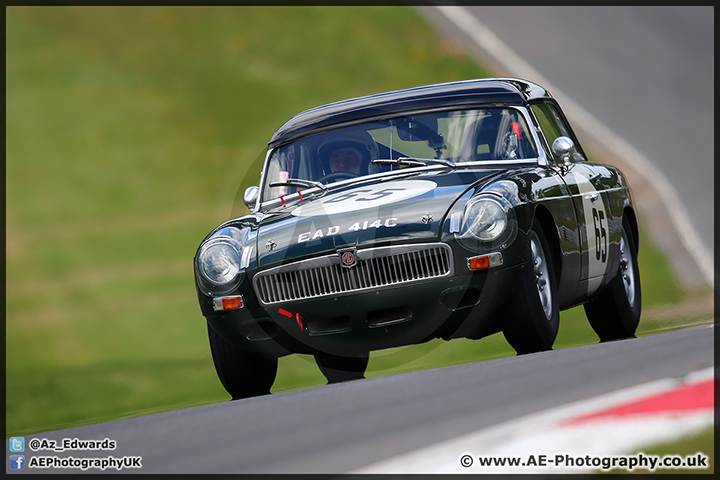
[(587, 184)]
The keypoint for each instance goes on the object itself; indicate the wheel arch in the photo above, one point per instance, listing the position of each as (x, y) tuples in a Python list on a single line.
[(629, 213)]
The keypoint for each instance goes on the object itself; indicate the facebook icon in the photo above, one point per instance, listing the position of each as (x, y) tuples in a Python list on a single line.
[(17, 462)]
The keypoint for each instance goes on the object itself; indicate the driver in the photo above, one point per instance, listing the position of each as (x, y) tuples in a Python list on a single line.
[(349, 152), (345, 159)]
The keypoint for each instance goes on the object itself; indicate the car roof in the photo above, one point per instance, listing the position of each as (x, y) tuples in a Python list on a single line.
[(463, 93)]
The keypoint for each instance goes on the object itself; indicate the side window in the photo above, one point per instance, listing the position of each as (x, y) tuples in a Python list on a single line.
[(276, 172), (551, 123), (279, 168)]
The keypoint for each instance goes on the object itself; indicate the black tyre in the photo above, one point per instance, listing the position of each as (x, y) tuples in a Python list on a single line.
[(341, 369), (243, 374), (532, 317), (615, 313)]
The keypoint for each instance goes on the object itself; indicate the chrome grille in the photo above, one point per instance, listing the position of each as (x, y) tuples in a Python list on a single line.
[(376, 268)]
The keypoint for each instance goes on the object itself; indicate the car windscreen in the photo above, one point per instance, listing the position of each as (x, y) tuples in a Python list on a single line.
[(459, 136)]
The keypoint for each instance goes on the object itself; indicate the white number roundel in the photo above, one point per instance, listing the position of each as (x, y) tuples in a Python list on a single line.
[(361, 198), (596, 230)]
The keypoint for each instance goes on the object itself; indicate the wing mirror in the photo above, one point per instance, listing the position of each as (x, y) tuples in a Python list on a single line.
[(561, 148), (250, 197)]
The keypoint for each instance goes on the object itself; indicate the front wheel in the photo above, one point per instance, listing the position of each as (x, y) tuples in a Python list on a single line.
[(532, 317), (242, 373), (615, 313)]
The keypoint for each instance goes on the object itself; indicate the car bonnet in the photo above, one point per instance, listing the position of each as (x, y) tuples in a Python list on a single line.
[(404, 210)]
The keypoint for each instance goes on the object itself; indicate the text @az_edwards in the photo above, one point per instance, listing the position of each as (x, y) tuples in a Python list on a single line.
[(70, 444)]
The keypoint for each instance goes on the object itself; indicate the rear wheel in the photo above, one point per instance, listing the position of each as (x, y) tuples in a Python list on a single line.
[(340, 369), (615, 313), (242, 373), (532, 318)]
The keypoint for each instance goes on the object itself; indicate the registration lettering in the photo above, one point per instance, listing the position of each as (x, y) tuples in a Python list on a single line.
[(355, 227)]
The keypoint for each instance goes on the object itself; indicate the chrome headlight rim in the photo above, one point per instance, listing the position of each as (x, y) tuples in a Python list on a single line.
[(501, 231), (494, 208), (223, 246)]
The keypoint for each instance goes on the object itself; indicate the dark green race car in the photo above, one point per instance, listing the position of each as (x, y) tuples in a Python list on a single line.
[(444, 211)]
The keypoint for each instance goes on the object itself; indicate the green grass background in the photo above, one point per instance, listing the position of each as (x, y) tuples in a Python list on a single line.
[(128, 133)]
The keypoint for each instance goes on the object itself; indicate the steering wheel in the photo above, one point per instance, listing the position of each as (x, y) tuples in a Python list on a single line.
[(508, 150), (337, 176)]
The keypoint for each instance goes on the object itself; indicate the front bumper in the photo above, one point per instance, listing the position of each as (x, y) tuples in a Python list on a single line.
[(463, 304)]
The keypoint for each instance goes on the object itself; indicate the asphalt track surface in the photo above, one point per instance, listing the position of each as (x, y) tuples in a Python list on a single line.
[(342, 427), (647, 73)]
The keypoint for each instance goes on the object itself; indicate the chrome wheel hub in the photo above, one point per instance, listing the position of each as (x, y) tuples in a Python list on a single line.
[(627, 270), (542, 276)]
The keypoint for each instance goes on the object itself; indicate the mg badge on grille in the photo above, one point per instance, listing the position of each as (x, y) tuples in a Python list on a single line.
[(348, 257)]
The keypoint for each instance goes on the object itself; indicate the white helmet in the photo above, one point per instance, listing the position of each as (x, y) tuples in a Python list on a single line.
[(355, 139)]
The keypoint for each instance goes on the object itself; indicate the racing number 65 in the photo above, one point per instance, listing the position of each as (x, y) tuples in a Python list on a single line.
[(600, 234), (367, 198)]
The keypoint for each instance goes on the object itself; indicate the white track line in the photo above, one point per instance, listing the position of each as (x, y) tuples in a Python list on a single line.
[(544, 434), (489, 42)]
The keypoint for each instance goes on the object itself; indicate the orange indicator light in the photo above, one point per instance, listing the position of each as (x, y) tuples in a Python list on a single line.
[(478, 263), (482, 262), (228, 303)]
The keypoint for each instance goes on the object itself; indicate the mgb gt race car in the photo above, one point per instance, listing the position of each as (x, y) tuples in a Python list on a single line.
[(453, 210)]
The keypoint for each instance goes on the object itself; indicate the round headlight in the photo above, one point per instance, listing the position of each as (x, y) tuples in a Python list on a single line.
[(488, 223), (219, 263), (484, 218)]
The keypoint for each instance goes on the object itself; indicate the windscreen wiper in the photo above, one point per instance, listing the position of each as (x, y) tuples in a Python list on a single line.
[(296, 182), (296, 197), (415, 162)]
